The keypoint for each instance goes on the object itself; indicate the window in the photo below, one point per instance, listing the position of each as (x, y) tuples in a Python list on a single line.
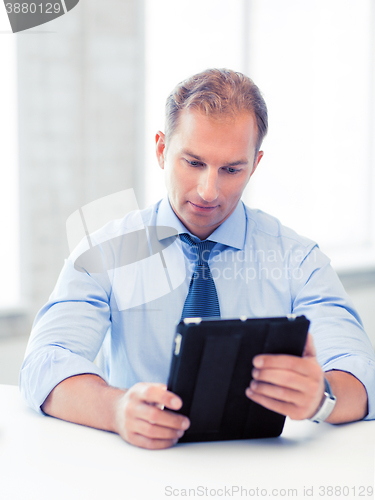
[(314, 62)]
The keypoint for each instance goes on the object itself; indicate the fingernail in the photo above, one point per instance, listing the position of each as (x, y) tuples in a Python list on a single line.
[(185, 424), (253, 385), (255, 373), (258, 362), (180, 433), (249, 392), (175, 403)]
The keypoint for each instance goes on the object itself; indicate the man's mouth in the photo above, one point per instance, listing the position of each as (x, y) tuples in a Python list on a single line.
[(206, 208)]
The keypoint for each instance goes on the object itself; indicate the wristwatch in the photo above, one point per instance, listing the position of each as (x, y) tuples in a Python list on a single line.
[(326, 406)]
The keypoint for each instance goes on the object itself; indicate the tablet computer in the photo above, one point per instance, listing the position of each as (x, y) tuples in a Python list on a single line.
[(211, 368)]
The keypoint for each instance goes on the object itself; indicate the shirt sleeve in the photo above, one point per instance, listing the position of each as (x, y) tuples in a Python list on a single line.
[(339, 337), (67, 334)]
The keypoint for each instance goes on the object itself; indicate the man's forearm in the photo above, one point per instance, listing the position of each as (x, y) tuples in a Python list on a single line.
[(351, 397), (85, 399), (89, 400), (135, 414)]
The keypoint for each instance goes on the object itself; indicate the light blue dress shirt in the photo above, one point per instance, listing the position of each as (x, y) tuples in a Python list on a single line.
[(124, 318)]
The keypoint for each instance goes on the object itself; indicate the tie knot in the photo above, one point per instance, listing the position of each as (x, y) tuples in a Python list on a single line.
[(201, 248)]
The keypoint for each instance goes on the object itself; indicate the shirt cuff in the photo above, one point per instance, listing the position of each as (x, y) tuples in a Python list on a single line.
[(41, 374)]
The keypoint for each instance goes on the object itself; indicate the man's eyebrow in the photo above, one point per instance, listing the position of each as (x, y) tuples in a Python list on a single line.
[(226, 164), (189, 153)]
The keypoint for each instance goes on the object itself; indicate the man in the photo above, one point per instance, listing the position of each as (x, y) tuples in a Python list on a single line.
[(215, 124)]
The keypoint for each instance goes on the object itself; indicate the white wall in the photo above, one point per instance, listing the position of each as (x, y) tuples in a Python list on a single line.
[(80, 95)]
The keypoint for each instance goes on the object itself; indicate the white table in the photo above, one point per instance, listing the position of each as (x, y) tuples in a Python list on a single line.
[(45, 458)]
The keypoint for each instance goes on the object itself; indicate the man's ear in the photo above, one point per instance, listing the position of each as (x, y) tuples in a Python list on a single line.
[(160, 148), (256, 163)]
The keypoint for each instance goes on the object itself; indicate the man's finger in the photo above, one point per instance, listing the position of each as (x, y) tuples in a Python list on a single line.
[(283, 362), (155, 431), (283, 378), (309, 350), (157, 394), (163, 418), (283, 407), (151, 444)]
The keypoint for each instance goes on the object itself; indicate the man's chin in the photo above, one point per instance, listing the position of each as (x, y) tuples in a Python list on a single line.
[(201, 225)]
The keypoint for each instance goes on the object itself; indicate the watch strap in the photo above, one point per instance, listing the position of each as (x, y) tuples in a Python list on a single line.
[(327, 405)]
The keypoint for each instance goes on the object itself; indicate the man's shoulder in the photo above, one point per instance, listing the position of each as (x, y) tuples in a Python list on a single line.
[(112, 234), (263, 224), (131, 221)]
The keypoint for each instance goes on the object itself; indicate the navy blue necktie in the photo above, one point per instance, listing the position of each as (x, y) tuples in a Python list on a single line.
[(202, 300)]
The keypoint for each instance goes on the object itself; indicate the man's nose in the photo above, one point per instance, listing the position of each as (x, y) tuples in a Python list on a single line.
[(208, 185)]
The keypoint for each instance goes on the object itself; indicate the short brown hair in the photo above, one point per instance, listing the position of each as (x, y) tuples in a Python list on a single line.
[(217, 92)]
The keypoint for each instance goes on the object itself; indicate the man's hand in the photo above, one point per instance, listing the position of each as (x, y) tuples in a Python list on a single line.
[(289, 385), (141, 421), (135, 413)]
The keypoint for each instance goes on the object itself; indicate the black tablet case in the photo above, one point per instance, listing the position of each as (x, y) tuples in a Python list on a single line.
[(211, 368)]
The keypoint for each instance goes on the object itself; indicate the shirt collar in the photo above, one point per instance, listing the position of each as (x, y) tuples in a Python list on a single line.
[(232, 232)]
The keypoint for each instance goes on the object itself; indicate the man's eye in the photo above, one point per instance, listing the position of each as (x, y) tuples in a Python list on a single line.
[(231, 170), (194, 163)]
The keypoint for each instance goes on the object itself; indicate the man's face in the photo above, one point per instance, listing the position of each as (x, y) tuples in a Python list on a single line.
[(207, 164)]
